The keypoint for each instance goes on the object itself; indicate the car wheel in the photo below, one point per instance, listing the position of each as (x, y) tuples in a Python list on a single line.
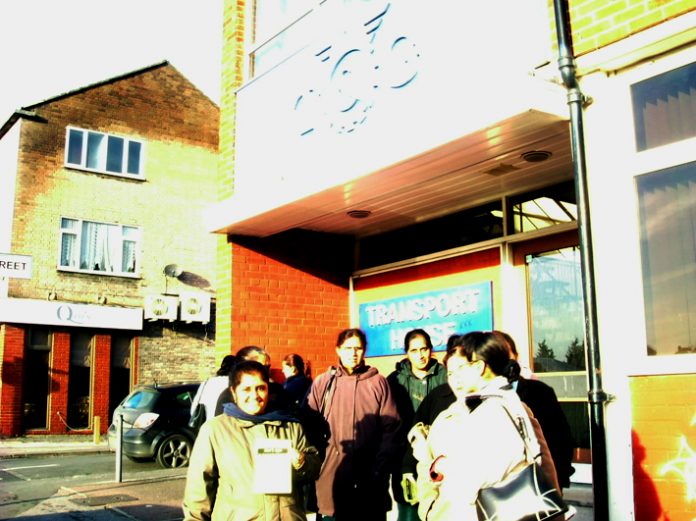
[(174, 451)]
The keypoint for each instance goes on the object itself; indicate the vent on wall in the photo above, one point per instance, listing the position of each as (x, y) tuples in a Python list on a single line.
[(161, 307), (195, 307)]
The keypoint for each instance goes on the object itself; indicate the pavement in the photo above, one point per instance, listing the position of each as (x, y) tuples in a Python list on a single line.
[(156, 498)]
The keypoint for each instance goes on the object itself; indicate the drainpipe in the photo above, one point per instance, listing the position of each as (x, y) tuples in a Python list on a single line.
[(596, 395)]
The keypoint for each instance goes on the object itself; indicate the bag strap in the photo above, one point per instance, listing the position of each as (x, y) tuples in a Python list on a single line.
[(328, 391), (519, 424)]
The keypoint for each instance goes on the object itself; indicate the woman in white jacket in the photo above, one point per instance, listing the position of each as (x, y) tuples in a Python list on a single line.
[(473, 443)]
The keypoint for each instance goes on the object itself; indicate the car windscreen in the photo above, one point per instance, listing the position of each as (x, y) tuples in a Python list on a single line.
[(141, 399)]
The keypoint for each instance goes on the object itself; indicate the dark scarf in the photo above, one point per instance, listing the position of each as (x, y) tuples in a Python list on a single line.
[(231, 409)]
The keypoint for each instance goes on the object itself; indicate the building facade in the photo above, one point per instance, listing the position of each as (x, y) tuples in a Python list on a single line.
[(103, 191), (397, 164)]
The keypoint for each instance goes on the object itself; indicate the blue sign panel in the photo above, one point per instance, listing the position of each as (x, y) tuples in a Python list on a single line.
[(441, 313)]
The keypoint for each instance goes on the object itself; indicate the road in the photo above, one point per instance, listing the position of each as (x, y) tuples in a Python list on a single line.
[(24, 482)]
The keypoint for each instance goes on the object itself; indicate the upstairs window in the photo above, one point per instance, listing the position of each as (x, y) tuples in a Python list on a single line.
[(664, 107), (103, 153), (105, 249)]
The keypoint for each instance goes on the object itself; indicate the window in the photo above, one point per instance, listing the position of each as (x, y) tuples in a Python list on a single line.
[(103, 152), (275, 37), (120, 377), (664, 107), (542, 208), (98, 248), (667, 212)]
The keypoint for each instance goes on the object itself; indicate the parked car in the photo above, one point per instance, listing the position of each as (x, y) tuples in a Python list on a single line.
[(155, 424)]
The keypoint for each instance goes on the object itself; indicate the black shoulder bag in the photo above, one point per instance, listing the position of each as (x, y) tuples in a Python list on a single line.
[(526, 496)]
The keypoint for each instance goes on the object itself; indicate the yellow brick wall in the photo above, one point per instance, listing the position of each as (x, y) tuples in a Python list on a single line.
[(597, 23), (233, 61)]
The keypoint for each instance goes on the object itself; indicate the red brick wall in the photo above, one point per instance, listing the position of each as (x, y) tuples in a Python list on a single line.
[(12, 377), (100, 379), (285, 309), (58, 388), (597, 23)]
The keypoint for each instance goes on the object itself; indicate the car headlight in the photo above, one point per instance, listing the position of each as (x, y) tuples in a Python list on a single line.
[(145, 420)]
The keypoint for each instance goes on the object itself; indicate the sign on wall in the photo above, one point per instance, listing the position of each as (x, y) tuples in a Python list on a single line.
[(15, 266), (441, 313)]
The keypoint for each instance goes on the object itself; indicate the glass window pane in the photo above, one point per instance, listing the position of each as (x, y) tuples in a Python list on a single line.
[(96, 151), (68, 224), (68, 250), (75, 147), (134, 153), (128, 257), (555, 290), (667, 211), (114, 155), (664, 107), (36, 389), (543, 208), (79, 380)]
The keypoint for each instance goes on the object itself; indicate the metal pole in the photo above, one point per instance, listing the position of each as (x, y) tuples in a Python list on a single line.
[(596, 395), (119, 448)]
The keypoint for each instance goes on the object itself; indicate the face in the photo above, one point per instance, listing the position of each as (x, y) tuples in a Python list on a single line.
[(288, 370), (251, 395), (464, 377), (351, 353), (418, 353)]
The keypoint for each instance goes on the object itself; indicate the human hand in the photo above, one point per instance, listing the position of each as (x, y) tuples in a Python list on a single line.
[(418, 438), (298, 459)]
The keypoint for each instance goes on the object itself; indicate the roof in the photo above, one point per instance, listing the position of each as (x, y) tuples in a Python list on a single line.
[(28, 110)]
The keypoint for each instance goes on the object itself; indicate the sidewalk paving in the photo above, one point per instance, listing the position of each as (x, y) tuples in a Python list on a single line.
[(150, 499)]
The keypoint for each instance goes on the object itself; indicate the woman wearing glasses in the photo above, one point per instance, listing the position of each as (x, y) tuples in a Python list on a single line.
[(354, 404), (473, 443)]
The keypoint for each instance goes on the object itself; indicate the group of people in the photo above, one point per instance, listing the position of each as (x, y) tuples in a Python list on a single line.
[(428, 429)]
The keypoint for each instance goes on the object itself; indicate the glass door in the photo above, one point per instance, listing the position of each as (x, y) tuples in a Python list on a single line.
[(557, 349)]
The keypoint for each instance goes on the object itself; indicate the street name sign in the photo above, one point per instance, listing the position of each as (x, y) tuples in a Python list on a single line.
[(15, 266)]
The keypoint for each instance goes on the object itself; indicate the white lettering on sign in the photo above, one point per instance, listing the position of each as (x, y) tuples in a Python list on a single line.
[(433, 306), (15, 266)]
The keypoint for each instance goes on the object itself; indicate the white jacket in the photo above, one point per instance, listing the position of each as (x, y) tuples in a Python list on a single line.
[(479, 448)]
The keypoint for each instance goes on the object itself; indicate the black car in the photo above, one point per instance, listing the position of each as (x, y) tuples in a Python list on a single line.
[(155, 424)]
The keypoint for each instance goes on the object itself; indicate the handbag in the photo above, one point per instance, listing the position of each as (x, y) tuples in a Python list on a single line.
[(198, 417), (526, 496)]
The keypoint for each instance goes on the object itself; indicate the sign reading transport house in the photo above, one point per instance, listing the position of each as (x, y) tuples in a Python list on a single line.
[(441, 313)]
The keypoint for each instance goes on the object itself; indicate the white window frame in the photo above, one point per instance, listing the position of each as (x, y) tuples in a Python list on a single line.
[(82, 165), (118, 261), (648, 161)]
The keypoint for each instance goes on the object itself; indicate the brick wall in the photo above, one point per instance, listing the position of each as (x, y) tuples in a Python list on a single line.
[(664, 446), (12, 376), (58, 389), (285, 309), (597, 23), (100, 378), (232, 78)]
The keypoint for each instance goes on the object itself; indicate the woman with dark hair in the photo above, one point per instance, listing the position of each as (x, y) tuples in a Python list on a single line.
[(224, 476), (474, 443), (209, 391), (355, 409), (297, 381)]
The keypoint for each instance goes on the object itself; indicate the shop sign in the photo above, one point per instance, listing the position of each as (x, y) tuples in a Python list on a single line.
[(40, 312), (441, 313)]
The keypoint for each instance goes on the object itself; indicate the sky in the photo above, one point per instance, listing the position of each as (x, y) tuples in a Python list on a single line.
[(48, 47)]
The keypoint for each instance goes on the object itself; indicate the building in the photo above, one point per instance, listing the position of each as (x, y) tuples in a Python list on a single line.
[(103, 191), (388, 164)]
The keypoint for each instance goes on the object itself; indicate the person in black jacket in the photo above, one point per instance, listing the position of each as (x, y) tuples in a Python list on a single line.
[(542, 400)]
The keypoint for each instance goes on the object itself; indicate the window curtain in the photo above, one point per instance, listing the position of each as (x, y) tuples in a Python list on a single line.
[(667, 205), (100, 247)]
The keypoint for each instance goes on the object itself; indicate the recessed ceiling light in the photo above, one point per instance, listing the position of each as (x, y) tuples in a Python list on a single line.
[(358, 214), (536, 156)]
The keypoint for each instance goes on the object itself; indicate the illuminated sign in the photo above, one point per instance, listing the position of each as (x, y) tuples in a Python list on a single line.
[(441, 313)]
